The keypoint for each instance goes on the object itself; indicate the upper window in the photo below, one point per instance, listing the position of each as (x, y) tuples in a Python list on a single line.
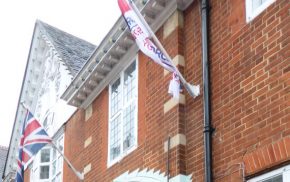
[(278, 175), (123, 114), (255, 7)]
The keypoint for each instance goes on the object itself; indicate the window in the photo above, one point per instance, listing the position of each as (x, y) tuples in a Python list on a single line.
[(279, 175), (48, 164), (44, 163), (255, 7), (123, 114)]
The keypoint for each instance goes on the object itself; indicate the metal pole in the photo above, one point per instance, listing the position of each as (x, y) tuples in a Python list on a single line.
[(168, 159), (193, 90), (77, 173)]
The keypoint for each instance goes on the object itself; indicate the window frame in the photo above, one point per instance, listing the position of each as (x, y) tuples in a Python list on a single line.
[(251, 13), (58, 160), (110, 118), (45, 163), (36, 164), (284, 171)]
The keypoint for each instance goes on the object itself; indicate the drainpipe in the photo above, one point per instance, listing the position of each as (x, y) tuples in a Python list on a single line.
[(206, 91)]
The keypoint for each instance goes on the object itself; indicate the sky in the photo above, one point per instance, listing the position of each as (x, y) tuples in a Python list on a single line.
[(87, 19)]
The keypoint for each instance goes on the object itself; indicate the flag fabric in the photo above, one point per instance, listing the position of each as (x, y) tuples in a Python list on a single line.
[(142, 38), (33, 138)]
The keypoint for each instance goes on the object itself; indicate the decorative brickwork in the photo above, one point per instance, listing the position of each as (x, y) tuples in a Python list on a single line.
[(267, 156)]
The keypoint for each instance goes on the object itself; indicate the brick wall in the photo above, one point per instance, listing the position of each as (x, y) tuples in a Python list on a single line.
[(73, 145), (154, 126), (250, 100), (250, 87)]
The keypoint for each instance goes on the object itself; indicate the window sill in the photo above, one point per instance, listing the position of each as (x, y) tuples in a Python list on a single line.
[(119, 159), (253, 13)]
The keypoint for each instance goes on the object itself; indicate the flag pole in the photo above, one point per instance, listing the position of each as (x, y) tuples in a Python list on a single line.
[(194, 90), (77, 173)]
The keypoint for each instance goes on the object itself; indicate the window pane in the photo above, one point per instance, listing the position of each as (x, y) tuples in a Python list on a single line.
[(130, 82), (53, 154), (128, 127), (275, 179), (115, 137), (53, 168), (44, 172), (45, 123), (45, 155), (116, 97)]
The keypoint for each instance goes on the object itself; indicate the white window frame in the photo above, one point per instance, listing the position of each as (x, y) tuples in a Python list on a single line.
[(42, 164), (58, 159), (252, 13), (123, 153), (284, 171), (35, 170)]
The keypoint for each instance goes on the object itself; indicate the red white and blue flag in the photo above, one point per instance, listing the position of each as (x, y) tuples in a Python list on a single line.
[(141, 36), (33, 138)]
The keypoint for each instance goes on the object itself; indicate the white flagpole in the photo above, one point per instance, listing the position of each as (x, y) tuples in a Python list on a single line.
[(194, 90), (77, 173)]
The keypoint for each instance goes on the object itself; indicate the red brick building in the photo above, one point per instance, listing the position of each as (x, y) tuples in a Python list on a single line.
[(125, 117), (249, 68)]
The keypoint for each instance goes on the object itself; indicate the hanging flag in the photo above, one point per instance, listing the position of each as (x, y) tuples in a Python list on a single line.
[(33, 138), (141, 36)]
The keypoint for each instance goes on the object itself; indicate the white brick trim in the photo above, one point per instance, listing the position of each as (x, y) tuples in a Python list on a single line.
[(178, 60), (87, 168), (173, 102), (88, 141), (88, 112), (178, 139), (175, 20)]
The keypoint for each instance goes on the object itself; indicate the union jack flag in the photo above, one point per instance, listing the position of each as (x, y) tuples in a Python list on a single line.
[(33, 138)]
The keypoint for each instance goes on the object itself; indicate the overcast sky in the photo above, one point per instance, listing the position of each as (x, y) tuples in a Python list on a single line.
[(87, 19)]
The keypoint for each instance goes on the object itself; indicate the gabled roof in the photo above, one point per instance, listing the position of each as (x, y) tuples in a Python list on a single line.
[(3, 155), (72, 50)]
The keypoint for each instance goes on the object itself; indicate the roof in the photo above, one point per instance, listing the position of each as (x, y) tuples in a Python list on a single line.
[(71, 49), (3, 155)]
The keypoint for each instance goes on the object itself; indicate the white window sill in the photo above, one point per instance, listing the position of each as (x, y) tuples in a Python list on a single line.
[(118, 159), (251, 13)]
